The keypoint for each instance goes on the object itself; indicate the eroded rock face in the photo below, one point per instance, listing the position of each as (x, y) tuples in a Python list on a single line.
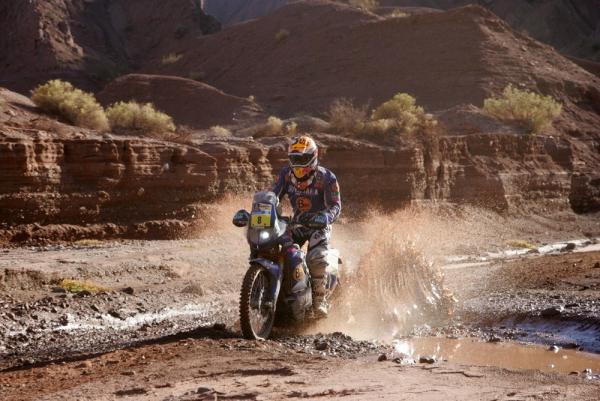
[(101, 180)]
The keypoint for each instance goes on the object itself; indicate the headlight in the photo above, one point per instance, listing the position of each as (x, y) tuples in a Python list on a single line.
[(264, 235)]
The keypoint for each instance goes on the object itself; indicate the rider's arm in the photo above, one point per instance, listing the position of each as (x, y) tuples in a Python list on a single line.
[(333, 200), (280, 183)]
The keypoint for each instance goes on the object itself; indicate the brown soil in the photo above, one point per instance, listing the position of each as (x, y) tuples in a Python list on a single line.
[(201, 369), (190, 103)]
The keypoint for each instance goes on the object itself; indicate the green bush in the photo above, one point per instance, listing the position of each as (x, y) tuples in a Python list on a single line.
[(530, 109), (131, 116), (78, 107)]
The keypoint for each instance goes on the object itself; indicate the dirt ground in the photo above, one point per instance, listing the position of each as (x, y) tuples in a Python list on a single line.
[(164, 325), (233, 369)]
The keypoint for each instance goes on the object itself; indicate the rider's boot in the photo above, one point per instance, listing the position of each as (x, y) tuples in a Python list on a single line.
[(320, 304)]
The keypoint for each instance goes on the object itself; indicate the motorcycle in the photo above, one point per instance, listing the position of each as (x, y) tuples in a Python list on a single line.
[(277, 287)]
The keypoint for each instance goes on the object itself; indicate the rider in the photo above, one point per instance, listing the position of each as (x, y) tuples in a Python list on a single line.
[(314, 194)]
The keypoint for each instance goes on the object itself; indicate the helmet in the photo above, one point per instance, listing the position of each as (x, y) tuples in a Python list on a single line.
[(303, 155)]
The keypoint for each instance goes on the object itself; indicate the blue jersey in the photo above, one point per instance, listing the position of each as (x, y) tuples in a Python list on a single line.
[(319, 194)]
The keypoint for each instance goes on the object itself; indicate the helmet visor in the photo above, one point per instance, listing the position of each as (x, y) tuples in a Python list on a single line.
[(301, 159)]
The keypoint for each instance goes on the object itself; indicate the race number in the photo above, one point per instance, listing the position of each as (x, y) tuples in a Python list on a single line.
[(261, 216)]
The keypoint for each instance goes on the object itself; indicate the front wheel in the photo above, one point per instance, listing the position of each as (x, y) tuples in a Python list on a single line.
[(257, 310)]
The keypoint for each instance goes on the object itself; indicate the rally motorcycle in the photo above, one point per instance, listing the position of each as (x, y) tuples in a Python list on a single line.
[(275, 292)]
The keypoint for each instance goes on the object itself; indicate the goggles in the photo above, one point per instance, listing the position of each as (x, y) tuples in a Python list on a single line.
[(301, 159)]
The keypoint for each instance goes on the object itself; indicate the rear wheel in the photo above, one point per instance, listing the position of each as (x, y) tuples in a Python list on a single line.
[(256, 308)]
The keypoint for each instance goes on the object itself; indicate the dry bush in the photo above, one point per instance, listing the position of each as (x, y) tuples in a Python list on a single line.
[(282, 35), (398, 14), (217, 130), (78, 107), (518, 243), (77, 286), (403, 109), (364, 4), (131, 116), (532, 110), (197, 75), (345, 117), (398, 116), (171, 58), (275, 127)]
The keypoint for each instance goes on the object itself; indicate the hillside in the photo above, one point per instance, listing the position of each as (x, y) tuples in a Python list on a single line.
[(444, 59), (91, 42), (570, 26)]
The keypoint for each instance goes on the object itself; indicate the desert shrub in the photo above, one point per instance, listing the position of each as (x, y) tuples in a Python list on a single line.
[(398, 14), (517, 243), (291, 129), (274, 126), (217, 130), (282, 35), (530, 109), (132, 116), (398, 116), (345, 117), (197, 75), (77, 286), (402, 115), (76, 106), (171, 58), (364, 4)]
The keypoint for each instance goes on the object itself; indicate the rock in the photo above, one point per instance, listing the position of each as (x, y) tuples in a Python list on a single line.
[(569, 247), (382, 357), (587, 371), (95, 308), (128, 373), (597, 265), (552, 312), (321, 345), (219, 326), (554, 349), (85, 364), (427, 359), (494, 339), (573, 373), (128, 290)]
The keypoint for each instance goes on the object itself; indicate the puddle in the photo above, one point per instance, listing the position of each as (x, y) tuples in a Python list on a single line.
[(506, 355), (559, 332), (200, 312), (461, 261)]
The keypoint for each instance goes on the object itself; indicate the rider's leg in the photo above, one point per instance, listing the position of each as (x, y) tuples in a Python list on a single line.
[(316, 258)]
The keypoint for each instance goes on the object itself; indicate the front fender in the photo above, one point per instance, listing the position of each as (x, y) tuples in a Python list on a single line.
[(276, 273)]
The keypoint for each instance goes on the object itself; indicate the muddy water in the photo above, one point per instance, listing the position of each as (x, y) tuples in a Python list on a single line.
[(507, 355)]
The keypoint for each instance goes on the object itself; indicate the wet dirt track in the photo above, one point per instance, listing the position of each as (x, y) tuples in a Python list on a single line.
[(161, 299)]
